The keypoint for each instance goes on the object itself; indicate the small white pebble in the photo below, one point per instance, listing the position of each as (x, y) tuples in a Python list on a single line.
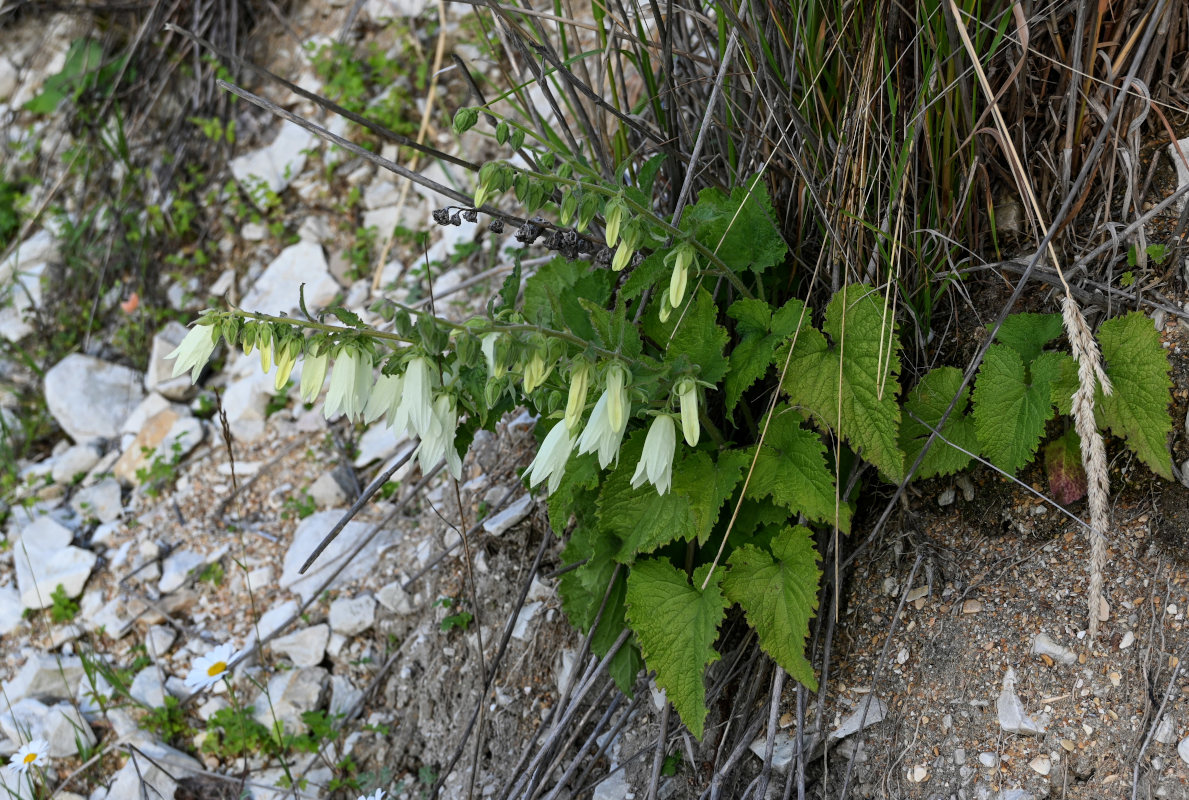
[(1128, 640)]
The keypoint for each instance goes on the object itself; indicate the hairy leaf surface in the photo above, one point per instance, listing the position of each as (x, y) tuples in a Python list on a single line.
[(923, 408), (740, 229), (853, 376), (760, 332), (1137, 410), (1009, 411), (677, 624), (778, 593), (792, 469), (1028, 333)]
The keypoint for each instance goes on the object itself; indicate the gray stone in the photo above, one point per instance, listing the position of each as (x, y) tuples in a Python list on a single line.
[(90, 398), (46, 533), (8, 78), (18, 298), (77, 461), (306, 647), (1183, 750), (275, 291), (11, 613), (272, 620), (310, 533), (148, 408), (380, 192), (1012, 717), (1042, 644), (615, 786), (13, 788), (1175, 150), (516, 511), (140, 778), (352, 615), (101, 501), (45, 676), (377, 443), (148, 688), (521, 630), (274, 165), (65, 729), (343, 694), (24, 720), (245, 403), (869, 711), (39, 572), (394, 598), (315, 229), (177, 568), (159, 376), (159, 639), (292, 693), (328, 491)]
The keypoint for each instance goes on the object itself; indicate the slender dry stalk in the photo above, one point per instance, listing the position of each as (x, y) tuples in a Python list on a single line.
[(1098, 484)]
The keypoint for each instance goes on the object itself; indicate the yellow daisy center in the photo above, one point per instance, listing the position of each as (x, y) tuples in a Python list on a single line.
[(218, 668), (30, 758)]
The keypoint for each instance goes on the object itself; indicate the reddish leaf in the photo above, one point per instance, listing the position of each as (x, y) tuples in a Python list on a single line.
[(1063, 463)]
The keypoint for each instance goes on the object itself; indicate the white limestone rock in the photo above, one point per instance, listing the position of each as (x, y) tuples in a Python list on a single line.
[(40, 571), (275, 164), (45, 676), (75, 462), (310, 533), (305, 647), (352, 615), (90, 398), (276, 290)]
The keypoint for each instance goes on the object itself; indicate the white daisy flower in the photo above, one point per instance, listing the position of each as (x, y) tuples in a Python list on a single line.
[(208, 670), (656, 462), (194, 351), (33, 754), (550, 461)]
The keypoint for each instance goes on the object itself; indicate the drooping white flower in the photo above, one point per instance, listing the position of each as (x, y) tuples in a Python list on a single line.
[(384, 399), (550, 461), (313, 375), (209, 669), (438, 441), (487, 345), (683, 256), (32, 754), (687, 396), (416, 401), (376, 795), (600, 435), (264, 342), (656, 462), (350, 384), (194, 351)]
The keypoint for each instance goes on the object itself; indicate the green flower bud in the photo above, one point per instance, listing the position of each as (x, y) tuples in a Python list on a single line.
[(576, 401), (687, 396), (516, 139), (569, 206), (465, 119), (588, 206), (501, 132), (615, 211)]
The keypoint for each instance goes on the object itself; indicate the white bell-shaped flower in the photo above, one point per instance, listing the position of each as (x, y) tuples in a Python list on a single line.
[(350, 384), (550, 461), (415, 411), (313, 375), (656, 462), (194, 351)]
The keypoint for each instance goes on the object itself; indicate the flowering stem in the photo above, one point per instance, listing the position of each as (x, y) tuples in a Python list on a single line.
[(672, 230)]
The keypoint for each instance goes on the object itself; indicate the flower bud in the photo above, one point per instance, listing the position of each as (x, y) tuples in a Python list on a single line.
[(687, 395), (576, 402), (535, 373), (615, 211), (313, 375)]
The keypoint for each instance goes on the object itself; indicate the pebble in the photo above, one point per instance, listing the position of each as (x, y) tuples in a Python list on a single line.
[(946, 498), (516, 511), (1043, 645), (988, 760), (1041, 765), (1128, 640), (918, 774), (972, 607), (1183, 750), (1012, 717)]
